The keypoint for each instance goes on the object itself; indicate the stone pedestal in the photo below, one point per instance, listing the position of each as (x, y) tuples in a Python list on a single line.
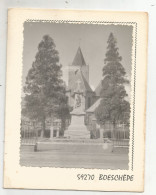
[(77, 129)]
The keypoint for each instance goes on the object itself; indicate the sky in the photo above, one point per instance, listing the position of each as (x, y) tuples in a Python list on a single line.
[(92, 38)]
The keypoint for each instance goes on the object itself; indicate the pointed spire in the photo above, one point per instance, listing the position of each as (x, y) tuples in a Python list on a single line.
[(79, 59)]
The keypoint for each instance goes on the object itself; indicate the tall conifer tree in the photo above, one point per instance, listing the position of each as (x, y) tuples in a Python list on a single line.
[(44, 88), (113, 106)]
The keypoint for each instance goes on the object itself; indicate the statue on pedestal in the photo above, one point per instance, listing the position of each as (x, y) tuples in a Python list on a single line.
[(77, 129)]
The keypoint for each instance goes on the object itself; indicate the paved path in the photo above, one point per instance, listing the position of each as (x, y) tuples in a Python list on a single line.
[(54, 158)]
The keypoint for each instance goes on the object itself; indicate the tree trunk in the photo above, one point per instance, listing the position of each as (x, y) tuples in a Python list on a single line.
[(63, 124), (43, 128), (114, 125), (51, 128)]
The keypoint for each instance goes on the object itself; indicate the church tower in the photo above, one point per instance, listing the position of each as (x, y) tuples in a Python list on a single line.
[(78, 64), (79, 73)]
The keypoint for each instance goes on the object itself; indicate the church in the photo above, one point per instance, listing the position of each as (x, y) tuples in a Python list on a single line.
[(78, 75), (82, 99)]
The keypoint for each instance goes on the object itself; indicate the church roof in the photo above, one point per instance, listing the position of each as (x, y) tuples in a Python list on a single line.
[(94, 106), (98, 89), (79, 59), (84, 85)]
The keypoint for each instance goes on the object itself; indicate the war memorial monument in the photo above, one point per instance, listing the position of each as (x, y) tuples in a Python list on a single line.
[(77, 137)]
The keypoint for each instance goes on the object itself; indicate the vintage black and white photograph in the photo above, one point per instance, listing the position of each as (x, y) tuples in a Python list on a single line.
[(76, 93), (75, 100)]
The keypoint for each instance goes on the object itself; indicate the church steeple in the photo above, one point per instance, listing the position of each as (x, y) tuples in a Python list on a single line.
[(78, 81), (79, 59)]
